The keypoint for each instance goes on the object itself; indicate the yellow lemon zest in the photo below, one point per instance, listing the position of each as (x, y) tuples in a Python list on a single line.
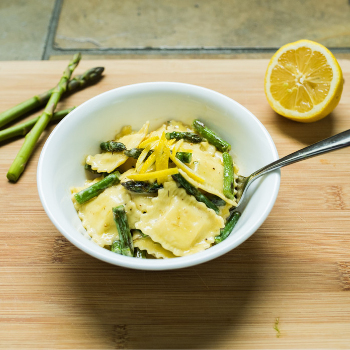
[(153, 174)]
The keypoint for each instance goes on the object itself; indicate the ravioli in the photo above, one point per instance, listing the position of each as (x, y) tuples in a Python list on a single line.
[(172, 222), (96, 214), (108, 161), (179, 222), (152, 248), (207, 163)]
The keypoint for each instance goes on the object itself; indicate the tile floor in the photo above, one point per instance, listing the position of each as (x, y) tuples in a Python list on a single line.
[(53, 29)]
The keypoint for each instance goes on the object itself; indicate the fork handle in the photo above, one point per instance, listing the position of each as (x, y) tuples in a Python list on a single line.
[(327, 145)]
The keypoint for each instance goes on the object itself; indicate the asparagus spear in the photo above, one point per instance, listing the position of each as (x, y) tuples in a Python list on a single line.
[(30, 140), (78, 82), (185, 157), (230, 224), (97, 188), (141, 186), (135, 153), (187, 136), (195, 192), (112, 146), (124, 245), (216, 200), (210, 135), (23, 128), (228, 175), (141, 254)]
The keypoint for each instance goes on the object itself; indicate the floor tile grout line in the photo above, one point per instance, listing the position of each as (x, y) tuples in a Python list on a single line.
[(51, 31), (141, 51)]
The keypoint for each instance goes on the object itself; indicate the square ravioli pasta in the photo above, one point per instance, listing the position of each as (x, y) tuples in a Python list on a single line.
[(179, 222)]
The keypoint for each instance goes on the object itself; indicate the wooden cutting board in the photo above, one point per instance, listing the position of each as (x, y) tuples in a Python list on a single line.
[(295, 269)]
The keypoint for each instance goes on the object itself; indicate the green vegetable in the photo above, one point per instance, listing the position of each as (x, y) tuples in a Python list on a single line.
[(135, 230), (112, 146), (228, 176), (230, 224), (142, 186), (216, 200), (135, 153), (23, 128), (124, 245), (184, 157), (187, 136), (141, 254), (211, 136), (97, 188), (31, 139), (78, 82), (191, 190)]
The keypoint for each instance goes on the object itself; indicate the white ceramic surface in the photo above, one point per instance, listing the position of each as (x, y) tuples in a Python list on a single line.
[(80, 133)]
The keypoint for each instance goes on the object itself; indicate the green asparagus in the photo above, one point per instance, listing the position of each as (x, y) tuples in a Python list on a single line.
[(184, 157), (141, 254), (191, 190), (135, 230), (228, 176), (211, 136), (89, 77), (124, 245), (112, 146), (23, 128), (23, 155), (216, 200), (230, 224), (97, 188), (141, 186), (187, 136)]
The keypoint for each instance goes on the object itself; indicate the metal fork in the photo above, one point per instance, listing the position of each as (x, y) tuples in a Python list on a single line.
[(327, 145)]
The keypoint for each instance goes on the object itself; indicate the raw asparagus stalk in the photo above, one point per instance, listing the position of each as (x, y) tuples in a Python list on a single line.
[(141, 186), (23, 128), (228, 176), (97, 188), (191, 190), (23, 155), (135, 153), (112, 146), (211, 136), (78, 82), (31, 138), (230, 224), (124, 245), (141, 254), (184, 157), (187, 136)]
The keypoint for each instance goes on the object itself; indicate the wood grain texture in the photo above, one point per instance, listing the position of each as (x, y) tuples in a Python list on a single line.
[(296, 267)]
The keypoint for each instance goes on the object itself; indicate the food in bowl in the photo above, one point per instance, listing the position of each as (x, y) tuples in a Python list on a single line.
[(160, 194)]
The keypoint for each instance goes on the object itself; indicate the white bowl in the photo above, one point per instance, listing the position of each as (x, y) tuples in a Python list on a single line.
[(80, 133)]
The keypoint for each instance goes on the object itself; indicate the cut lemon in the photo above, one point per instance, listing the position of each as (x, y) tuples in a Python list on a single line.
[(303, 81)]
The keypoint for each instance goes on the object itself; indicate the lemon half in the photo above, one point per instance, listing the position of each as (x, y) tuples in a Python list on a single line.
[(303, 81)]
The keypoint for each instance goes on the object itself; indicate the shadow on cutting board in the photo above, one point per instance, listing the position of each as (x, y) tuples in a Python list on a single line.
[(306, 133), (197, 307)]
